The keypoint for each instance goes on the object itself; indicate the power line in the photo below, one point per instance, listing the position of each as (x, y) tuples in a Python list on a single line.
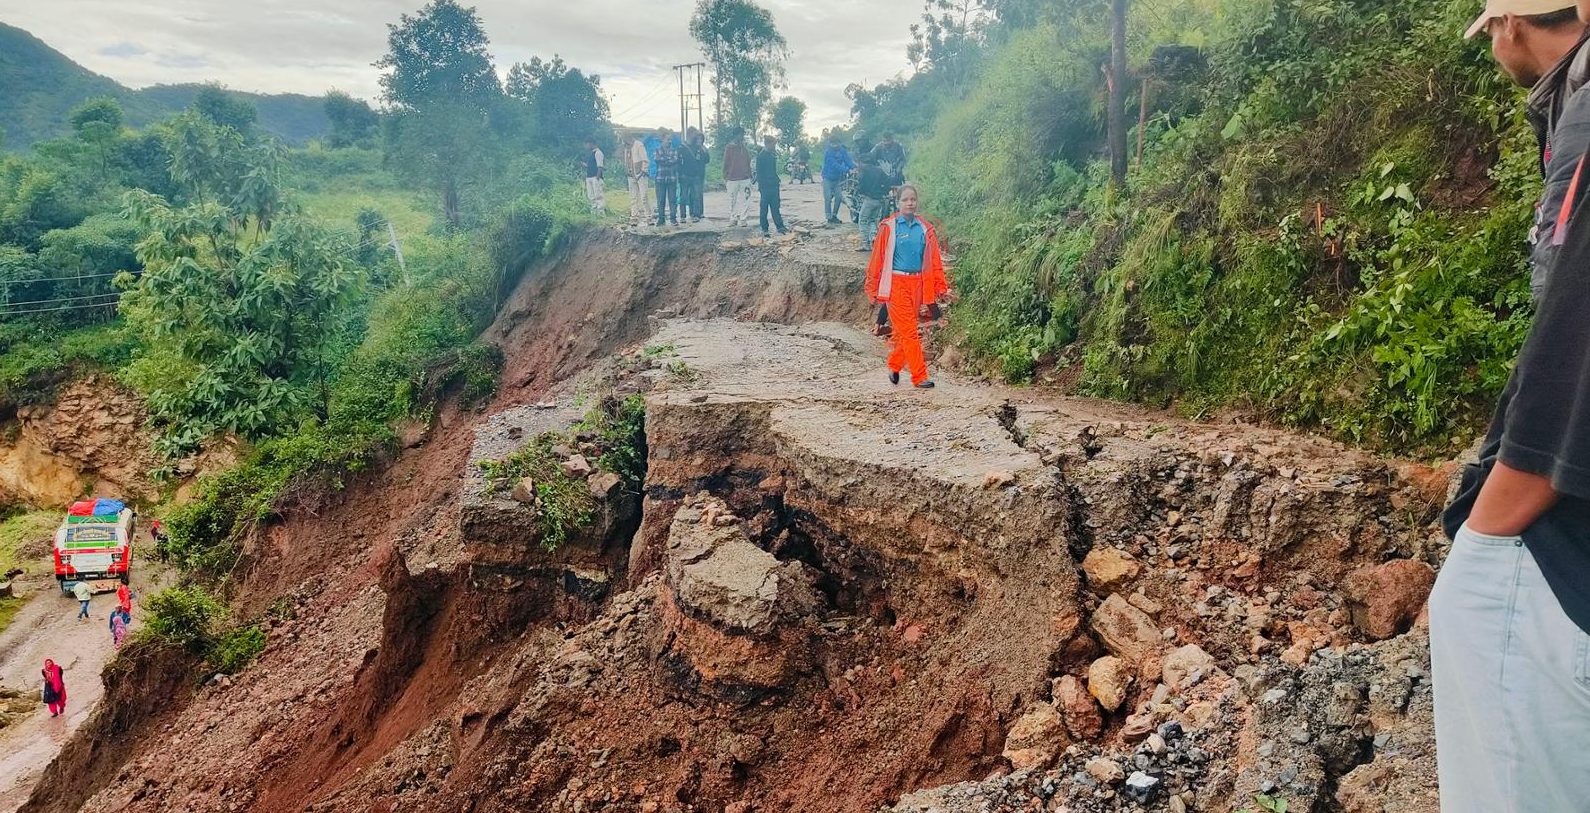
[(11, 308), (57, 279)]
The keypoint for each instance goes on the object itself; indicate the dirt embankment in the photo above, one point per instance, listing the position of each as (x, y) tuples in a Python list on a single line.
[(832, 594)]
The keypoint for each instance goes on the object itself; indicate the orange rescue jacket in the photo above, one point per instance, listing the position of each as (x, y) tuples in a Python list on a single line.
[(880, 276)]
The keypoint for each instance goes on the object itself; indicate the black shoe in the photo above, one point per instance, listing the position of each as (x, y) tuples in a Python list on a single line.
[(863, 248), (768, 236), (894, 377), (782, 232), (926, 385)]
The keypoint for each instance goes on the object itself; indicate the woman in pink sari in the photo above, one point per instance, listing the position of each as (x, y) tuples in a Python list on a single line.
[(54, 688)]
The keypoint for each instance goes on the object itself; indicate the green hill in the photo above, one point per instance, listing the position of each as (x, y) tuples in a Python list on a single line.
[(39, 86)]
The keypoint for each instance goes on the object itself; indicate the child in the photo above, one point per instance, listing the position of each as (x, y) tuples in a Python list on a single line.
[(119, 619)]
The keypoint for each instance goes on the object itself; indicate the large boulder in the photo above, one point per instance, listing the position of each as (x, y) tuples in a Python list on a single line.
[(1385, 599), (1185, 666), (1036, 739), (1109, 569), (1109, 681), (1125, 630)]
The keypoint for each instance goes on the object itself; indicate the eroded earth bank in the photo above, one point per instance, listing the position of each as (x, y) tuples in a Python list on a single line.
[(817, 592)]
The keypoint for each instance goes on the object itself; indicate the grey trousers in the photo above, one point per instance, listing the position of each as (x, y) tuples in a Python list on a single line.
[(1512, 684)]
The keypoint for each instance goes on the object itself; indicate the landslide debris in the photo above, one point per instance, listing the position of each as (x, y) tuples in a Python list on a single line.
[(827, 593)]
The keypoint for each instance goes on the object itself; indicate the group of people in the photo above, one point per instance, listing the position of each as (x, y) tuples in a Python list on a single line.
[(675, 171)]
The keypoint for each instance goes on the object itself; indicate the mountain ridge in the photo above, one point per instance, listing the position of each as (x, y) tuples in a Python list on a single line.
[(39, 87)]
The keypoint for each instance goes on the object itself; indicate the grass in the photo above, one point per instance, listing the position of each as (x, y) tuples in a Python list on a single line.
[(16, 535)]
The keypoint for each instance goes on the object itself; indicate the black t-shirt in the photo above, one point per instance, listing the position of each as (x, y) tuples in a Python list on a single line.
[(873, 182), (1542, 426), (767, 169)]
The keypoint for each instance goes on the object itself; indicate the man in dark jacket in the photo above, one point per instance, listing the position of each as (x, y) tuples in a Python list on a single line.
[(1509, 615), (693, 160), (767, 185), (873, 189)]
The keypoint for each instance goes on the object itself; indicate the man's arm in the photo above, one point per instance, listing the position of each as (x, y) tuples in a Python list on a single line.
[(1510, 501)]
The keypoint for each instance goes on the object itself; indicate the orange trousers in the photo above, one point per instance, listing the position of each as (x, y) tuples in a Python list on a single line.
[(905, 301)]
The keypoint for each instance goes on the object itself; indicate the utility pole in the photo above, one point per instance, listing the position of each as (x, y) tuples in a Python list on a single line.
[(1115, 117), (397, 248), (690, 100)]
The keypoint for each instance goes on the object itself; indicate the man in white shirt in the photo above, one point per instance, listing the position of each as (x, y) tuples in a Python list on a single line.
[(594, 170), (637, 164)]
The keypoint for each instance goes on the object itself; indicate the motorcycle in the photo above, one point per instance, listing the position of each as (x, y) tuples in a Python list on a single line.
[(798, 171)]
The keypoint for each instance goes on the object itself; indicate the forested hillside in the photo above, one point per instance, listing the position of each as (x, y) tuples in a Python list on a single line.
[(39, 87), (1324, 223)]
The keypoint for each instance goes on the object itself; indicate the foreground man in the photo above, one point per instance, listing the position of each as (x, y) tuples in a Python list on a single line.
[(1508, 615), (906, 273)]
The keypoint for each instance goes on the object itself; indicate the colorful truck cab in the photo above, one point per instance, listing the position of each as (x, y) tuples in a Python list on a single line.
[(94, 544)]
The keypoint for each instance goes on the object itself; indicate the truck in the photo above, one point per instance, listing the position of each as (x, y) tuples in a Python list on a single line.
[(94, 544)]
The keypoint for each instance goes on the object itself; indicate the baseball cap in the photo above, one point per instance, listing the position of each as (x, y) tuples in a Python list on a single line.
[(1517, 8)]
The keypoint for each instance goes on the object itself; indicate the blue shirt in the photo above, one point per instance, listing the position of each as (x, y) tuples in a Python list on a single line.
[(837, 162), (910, 244)]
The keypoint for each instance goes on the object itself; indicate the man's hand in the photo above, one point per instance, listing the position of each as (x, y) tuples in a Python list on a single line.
[(1510, 501)]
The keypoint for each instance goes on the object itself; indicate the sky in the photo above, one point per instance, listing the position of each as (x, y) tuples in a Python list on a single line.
[(311, 46)]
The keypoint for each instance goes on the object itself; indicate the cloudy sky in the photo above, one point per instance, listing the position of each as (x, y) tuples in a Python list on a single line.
[(309, 46)]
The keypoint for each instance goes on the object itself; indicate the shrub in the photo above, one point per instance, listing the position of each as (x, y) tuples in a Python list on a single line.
[(236, 649), (183, 616)]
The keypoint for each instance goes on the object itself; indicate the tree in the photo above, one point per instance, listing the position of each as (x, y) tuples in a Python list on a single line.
[(352, 120), (788, 118), (565, 106), (1115, 117), (746, 53), (945, 43), (98, 122), (214, 163), (438, 56), (440, 80), (235, 327), (225, 108)]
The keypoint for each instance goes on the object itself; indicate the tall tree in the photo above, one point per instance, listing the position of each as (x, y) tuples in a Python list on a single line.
[(440, 81), (1115, 117), (566, 105), (945, 42), (225, 108), (352, 120), (788, 117), (746, 53), (98, 122), (438, 56)]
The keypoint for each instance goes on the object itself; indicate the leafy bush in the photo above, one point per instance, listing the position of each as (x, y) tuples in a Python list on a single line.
[(237, 648), (183, 616)]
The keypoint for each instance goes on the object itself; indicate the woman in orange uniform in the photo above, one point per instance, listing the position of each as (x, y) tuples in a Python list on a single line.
[(905, 273)]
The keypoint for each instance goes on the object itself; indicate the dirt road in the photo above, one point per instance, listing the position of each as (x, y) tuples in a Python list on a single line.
[(48, 628)]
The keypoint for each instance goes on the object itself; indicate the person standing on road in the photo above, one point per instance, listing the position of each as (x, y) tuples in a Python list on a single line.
[(872, 186), (891, 159), (124, 598), (665, 160), (119, 619), (767, 186), (906, 273), (1510, 612), (54, 688), (84, 594), (837, 165), (595, 171), (737, 177), (693, 162), (637, 163)]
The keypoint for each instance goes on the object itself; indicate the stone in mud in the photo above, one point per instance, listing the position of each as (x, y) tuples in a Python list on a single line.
[(1109, 678), (604, 484), (1036, 739), (524, 491), (1184, 666), (1106, 771), (1077, 708), (1125, 630), (1384, 599), (577, 466), (1109, 569), (717, 574)]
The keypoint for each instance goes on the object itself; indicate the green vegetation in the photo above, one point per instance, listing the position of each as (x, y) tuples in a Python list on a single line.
[(612, 433), (1326, 226), (24, 543), (191, 618)]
